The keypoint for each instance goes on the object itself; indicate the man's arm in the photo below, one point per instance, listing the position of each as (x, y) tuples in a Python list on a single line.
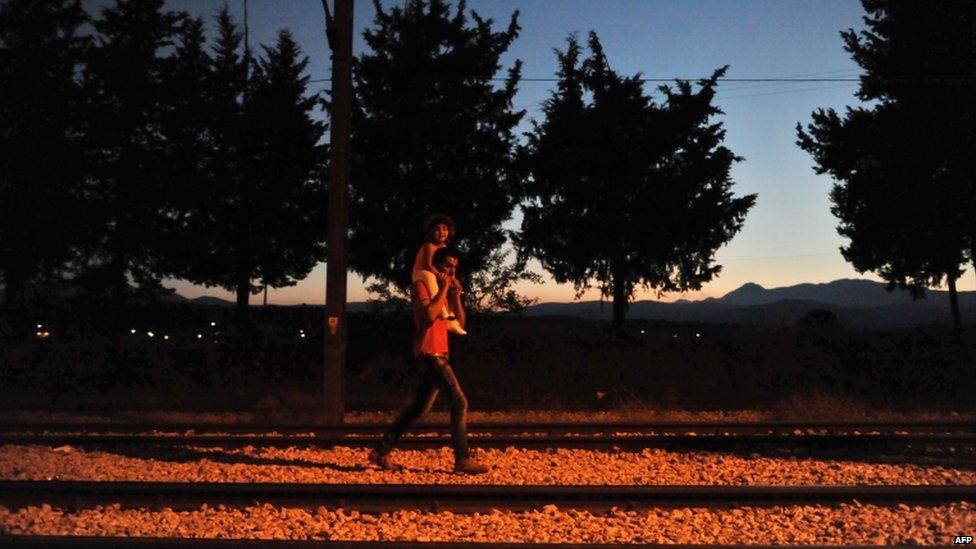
[(454, 296), (432, 306)]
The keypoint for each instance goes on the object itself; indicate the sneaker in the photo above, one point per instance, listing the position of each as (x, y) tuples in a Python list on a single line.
[(383, 461), (469, 466), (454, 326)]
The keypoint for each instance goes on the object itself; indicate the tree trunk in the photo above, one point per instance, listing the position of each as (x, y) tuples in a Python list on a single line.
[(954, 303), (243, 295), (619, 298)]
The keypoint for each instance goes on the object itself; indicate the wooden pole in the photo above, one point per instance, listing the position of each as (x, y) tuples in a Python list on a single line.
[(339, 35)]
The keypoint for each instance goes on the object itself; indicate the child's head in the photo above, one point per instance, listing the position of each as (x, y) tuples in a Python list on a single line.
[(438, 228)]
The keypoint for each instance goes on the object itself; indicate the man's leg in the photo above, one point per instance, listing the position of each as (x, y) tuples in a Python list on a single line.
[(459, 420), (459, 407), (427, 388)]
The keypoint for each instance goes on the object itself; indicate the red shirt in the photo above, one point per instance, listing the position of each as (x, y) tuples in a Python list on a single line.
[(429, 337)]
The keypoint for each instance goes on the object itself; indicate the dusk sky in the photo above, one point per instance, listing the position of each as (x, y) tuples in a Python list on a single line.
[(788, 238)]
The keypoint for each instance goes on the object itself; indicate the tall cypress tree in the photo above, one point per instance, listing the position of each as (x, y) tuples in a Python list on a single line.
[(906, 191), (623, 191), (430, 132), (261, 215), (42, 167), (288, 169)]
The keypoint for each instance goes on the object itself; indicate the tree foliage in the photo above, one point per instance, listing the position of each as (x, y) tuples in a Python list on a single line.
[(624, 191), (125, 85), (41, 164), (906, 184), (140, 153), (258, 215), (430, 132)]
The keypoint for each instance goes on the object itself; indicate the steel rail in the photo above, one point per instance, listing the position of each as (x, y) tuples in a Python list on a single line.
[(672, 427), (958, 441), (375, 498), (210, 543)]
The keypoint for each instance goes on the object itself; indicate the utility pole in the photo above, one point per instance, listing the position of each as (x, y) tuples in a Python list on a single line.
[(338, 32)]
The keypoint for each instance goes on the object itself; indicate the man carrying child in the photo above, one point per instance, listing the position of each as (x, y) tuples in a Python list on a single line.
[(430, 348)]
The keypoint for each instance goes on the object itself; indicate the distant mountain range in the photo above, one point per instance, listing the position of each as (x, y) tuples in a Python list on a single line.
[(857, 303)]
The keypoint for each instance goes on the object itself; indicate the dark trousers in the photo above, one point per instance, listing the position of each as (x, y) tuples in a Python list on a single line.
[(435, 374)]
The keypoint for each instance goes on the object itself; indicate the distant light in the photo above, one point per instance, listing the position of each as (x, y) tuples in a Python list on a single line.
[(43, 335), (199, 336), (303, 334), (213, 323), (39, 326), (676, 336), (150, 334), (642, 331), (165, 337), (132, 331), (697, 335)]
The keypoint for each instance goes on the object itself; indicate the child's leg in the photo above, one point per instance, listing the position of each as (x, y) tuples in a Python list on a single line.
[(430, 281)]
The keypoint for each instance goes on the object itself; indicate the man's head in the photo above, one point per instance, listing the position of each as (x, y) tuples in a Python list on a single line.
[(446, 260)]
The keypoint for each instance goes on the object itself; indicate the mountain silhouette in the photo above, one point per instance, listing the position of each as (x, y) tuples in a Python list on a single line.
[(857, 303)]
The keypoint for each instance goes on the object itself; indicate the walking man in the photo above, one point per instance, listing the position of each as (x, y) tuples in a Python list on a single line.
[(430, 347)]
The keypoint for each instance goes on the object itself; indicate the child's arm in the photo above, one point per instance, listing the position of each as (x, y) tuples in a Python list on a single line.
[(427, 256)]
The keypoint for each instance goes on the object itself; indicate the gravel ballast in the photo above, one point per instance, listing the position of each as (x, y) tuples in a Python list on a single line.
[(851, 523), (509, 466), (842, 524)]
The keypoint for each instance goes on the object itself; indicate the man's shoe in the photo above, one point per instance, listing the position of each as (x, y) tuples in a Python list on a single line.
[(383, 461), (469, 466)]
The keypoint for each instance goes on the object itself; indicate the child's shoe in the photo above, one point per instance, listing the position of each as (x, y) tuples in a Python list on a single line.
[(454, 326)]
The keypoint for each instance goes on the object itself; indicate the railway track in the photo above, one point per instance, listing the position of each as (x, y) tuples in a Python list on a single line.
[(664, 428), (465, 498), (957, 442), (167, 543), (914, 436)]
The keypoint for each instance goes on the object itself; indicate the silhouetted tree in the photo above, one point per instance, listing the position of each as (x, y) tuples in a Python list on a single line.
[(430, 132), (125, 83), (906, 191), (41, 158), (289, 169), (624, 191), (262, 216), (189, 139), (203, 257)]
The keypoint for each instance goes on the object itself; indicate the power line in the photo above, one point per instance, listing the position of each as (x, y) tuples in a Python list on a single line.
[(764, 80), (780, 92)]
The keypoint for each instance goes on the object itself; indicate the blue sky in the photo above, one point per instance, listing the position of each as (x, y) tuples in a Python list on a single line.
[(789, 237)]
